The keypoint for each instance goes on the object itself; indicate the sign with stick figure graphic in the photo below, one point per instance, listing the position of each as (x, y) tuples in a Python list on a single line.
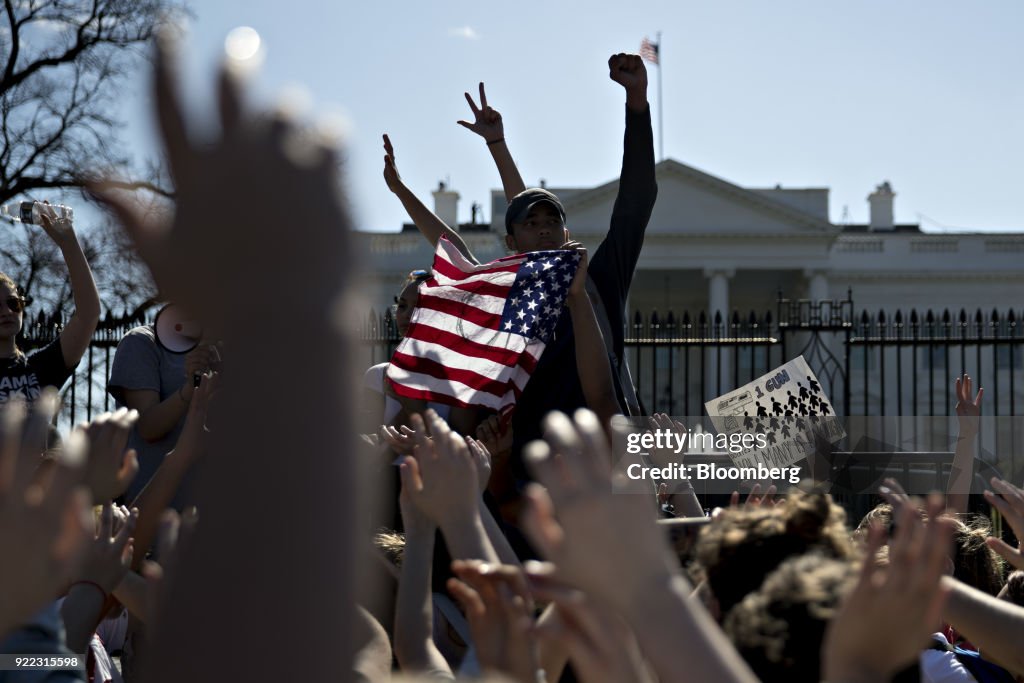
[(788, 406)]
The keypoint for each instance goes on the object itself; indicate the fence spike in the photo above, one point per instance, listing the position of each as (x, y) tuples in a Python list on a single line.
[(946, 318), (913, 316), (899, 318)]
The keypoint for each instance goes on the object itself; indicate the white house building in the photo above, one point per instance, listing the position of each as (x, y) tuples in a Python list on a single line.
[(715, 246)]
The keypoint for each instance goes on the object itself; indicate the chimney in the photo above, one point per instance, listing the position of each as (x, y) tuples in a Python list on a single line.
[(446, 205), (881, 208)]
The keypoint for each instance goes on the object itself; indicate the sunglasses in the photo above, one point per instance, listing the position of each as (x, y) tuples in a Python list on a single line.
[(16, 304)]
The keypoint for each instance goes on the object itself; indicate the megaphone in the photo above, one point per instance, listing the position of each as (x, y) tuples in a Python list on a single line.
[(175, 331)]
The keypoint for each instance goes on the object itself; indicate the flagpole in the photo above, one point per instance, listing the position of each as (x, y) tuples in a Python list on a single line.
[(661, 127)]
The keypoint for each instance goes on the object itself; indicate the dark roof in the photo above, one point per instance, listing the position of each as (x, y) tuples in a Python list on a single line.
[(904, 228)]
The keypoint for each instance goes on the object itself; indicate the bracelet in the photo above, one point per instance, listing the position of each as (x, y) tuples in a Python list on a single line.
[(85, 582), (494, 142)]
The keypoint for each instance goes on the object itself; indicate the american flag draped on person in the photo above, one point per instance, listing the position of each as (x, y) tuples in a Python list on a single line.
[(478, 330)]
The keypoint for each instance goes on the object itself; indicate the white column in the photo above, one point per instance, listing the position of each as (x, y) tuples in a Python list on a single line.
[(718, 373), (718, 293), (817, 285)]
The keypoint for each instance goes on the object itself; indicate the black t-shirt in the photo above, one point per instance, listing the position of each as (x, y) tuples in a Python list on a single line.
[(29, 375)]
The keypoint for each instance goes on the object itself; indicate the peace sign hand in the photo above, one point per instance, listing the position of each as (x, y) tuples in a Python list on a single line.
[(487, 121)]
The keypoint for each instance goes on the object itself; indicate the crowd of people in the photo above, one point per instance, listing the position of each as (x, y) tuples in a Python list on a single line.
[(257, 519)]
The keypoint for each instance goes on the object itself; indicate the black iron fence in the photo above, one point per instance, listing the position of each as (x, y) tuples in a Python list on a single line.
[(884, 363), (86, 393), (898, 363)]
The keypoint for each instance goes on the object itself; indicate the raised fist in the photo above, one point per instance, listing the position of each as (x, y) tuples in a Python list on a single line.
[(628, 71)]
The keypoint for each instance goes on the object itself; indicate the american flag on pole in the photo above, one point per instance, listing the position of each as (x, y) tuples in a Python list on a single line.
[(478, 330), (649, 51)]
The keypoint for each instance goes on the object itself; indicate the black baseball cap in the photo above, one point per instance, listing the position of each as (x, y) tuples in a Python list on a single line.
[(521, 204)]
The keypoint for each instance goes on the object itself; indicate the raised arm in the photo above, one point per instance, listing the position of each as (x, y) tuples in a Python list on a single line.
[(961, 474), (613, 263), (442, 482), (992, 624), (197, 261), (427, 222), (591, 351), (414, 612), (77, 333), (570, 522), (487, 124), (161, 489)]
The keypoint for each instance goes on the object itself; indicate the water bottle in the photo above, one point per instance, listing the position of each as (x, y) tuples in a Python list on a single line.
[(29, 212)]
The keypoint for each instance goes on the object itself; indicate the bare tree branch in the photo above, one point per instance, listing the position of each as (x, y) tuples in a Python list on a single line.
[(62, 66)]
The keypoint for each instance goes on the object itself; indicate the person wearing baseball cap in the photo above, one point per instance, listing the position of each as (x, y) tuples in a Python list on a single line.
[(536, 220)]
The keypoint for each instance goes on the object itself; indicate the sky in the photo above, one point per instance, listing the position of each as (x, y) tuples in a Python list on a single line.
[(802, 93)]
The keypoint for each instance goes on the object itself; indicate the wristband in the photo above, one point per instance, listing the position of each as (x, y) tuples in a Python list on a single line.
[(494, 142), (95, 585)]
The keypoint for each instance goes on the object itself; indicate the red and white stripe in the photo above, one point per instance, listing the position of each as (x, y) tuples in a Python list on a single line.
[(454, 351)]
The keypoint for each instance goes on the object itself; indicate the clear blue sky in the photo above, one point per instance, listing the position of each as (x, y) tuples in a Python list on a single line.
[(927, 95)]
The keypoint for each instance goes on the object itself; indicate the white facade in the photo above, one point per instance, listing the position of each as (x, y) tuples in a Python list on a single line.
[(712, 245)]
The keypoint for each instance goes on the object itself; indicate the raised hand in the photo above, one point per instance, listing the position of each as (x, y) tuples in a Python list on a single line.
[(893, 494), (629, 71), (577, 287), (216, 256), (61, 230), (391, 177), (1010, 502), (486, 120), (968, 408), (601, 646), (443, 482), (401, 439), (571, 517), (884, 622), (110, 555), (499, 609), (663, 457), (111, 468), (754, 498), (496, 440), (482, 459), (44, 521)]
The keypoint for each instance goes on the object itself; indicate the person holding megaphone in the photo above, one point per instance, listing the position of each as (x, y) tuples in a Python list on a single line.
[(155, 371)]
